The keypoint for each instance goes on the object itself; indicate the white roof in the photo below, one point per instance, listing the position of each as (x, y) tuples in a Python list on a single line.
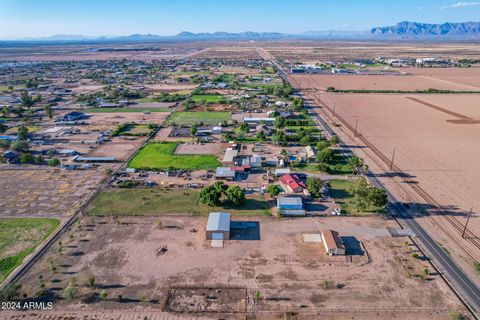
[(218, 221), (258, 119), (229, 155), (289, 201), (224, 172), (282, 170)]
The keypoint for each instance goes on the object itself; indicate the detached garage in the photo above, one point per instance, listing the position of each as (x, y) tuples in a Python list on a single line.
[(218, 226)]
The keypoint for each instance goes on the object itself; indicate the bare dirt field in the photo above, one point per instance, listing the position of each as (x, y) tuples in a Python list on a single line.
[(124, 256), (434, 139), (92, 52), (228, 52), (30, 191), (466, 76), (119, 148), (384, 82), (315, 51), (216, 149), (113, 119)]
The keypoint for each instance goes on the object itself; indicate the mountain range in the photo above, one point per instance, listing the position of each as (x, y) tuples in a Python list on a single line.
[(402, 30)]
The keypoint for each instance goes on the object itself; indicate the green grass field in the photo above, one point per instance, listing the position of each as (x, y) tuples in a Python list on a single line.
[(19, 237), (213, 98), (14, 130), (151, 202), (190, 118), (339, 190), (113, 110), (159, 155)]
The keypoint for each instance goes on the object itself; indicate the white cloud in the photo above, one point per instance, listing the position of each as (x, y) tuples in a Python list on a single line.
[(462, 5)]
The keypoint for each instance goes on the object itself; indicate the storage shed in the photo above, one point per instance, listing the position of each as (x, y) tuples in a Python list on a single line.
[(333, 243), (218, 226), (290, 206)]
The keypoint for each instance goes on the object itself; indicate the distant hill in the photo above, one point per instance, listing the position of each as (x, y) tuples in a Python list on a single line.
[(402, 30), (409, 29)]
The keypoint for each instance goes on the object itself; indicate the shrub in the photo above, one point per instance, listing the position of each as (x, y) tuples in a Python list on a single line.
[(53, 162)]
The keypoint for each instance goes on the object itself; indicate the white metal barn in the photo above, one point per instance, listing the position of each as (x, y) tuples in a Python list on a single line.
[(218, 226)]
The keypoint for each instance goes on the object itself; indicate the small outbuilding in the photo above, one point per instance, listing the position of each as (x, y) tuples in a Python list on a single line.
[(225, 173), (290, 206), (218, 226), (332, 242)]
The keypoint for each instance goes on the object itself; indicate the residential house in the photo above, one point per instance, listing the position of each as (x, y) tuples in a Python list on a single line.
[(332, 243), (291, 183)]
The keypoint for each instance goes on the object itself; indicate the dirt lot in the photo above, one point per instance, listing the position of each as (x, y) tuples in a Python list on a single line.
[(386, 82), (434, 152), (45, 192), (315, 51), (466, 76), (124, 257), (113, 119), (216, 149), (119, 148)]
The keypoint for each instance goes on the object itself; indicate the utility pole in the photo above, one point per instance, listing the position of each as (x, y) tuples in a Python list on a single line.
[(466, 223), (391, 161), (356, 126)]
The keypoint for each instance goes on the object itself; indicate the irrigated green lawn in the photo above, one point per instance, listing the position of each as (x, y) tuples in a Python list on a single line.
[(189, 118), (339, 190), (173, 201), (19, 237), (213, 98), (159, 155)]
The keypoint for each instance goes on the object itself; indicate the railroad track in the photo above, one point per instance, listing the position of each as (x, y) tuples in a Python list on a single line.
[(452, 221), (24, 267), (438, 208)]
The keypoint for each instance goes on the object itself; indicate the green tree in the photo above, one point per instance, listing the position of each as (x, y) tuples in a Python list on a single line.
[(10, 291), (297, 103), (333, 140), (26, 158), (49, 111), (6, 111), (377, 197), (305, 140), (315, 186), (27, 101), (220, 186), (273, 190), (279, 138), (357, 164), (325, 156), (236, 195), (280, 122), (20, 145), (210, 195), (22, 132), (193, 129), (260, 135), (244, 127), (3, 128), (322, 145)]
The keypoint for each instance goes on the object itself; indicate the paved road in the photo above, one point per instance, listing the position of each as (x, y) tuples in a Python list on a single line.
[(460, 282), (457, 279)]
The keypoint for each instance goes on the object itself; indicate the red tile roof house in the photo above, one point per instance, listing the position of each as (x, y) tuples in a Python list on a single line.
[(292, 183)]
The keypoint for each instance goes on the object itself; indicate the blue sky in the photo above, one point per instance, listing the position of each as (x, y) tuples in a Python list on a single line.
[(36, 18)]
